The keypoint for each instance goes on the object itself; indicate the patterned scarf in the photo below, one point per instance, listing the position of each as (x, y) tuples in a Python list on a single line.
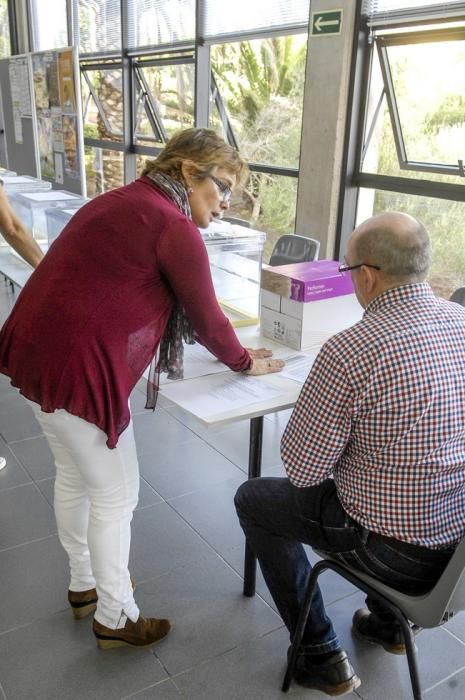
[(170, 354)]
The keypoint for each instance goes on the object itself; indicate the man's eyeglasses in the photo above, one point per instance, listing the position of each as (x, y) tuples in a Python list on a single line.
[(346, 268), (225, 190)]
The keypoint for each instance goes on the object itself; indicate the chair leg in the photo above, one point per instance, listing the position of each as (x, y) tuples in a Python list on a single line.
[(302, 621), (409, 638)]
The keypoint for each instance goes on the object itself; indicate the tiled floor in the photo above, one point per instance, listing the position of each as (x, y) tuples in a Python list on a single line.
[(187, 560)]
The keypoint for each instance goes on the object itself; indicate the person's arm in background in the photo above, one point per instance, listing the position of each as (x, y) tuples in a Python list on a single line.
[(16, 234)]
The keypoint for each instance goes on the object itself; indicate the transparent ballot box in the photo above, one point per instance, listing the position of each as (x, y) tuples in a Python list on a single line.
[(31, 206), (235, 254), (57, 218), (23, 183)]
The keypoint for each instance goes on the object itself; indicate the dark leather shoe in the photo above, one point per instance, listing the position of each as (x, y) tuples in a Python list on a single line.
[(142, 633), (367, 627), (334, 676), (84, 602)]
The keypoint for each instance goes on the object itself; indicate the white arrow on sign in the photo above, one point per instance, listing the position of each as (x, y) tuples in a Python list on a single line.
[(321, 23)]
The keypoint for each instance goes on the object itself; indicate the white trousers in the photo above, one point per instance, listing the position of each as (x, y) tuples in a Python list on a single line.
[(96, 491)]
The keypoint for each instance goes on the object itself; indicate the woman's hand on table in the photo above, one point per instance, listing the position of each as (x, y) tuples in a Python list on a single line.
[(258, 353), (262, 362)]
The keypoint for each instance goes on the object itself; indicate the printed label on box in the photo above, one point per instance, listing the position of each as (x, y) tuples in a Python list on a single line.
[(319, 279)]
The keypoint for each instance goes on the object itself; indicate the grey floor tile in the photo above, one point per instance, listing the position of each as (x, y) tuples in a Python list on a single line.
[(385, 676), (56, 658), (17, 421), (13, 474), (147, 495), (233, 443), (162, 541), (165, 690), (333, 587), (452, 688), (9, 396), (210, 511), (195, 425), (187, 467), (158, 428), (234, 556), (457, 626), (138, 400), (36, 457), (33, 583), (208, 611), (24, 515), (280, 419), (251, 671), (47, 489)]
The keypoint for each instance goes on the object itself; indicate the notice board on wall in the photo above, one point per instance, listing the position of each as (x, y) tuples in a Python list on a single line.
[(20, 132), (43, 120)]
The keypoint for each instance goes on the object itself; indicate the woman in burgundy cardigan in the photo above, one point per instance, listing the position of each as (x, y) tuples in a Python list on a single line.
[(126, 281)]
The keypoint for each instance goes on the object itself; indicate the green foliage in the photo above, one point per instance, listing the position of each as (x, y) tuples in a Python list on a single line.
[(261, 83), (450, 113), (251, 73)]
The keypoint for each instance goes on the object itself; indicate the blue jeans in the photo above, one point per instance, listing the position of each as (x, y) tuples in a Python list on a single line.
[(278, 517)]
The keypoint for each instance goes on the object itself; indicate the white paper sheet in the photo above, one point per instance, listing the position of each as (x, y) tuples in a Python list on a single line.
[(298, 366), (198, 362), (221, 395)]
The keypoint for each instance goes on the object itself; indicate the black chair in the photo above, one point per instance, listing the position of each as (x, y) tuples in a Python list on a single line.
[(291, 248), (429, 610), (459, 296)]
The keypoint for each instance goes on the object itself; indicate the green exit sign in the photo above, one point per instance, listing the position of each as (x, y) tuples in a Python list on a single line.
[(328, 22)]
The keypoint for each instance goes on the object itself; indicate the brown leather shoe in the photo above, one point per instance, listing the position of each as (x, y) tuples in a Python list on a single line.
[(367, 627), (84, 602), (333, 676), (142, 633)]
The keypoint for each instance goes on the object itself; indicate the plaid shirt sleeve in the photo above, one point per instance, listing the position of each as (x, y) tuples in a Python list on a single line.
[(320, 424)]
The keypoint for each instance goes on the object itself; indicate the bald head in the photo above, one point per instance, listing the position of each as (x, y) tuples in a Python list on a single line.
[(398, 243)]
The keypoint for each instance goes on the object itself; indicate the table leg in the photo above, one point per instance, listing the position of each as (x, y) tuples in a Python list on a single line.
[(255, 468)]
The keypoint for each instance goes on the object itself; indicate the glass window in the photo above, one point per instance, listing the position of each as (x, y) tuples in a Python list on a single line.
[(104, 170), (5, 48), (155, 22), (258, 94), (102, 101), (269, 203), (445, 221), (49, 24), (164, 97), (416, 111), (386, 8), (245, 17), (99, 26)]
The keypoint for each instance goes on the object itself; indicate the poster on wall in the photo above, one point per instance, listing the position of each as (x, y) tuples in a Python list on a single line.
[(44, 127), (20, 94), (70, 141), (56, 95), (66, 80)]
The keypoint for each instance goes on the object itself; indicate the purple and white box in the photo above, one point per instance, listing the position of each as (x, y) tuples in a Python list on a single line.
[(307, 281)]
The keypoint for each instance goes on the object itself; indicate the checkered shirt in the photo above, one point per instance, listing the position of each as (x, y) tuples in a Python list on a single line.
[(383, 412)]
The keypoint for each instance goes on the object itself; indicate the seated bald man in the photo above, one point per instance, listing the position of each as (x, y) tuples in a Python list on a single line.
[(374, 452)]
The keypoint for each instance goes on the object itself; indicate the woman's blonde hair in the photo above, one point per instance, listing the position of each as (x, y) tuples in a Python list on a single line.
[(205, 149)]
